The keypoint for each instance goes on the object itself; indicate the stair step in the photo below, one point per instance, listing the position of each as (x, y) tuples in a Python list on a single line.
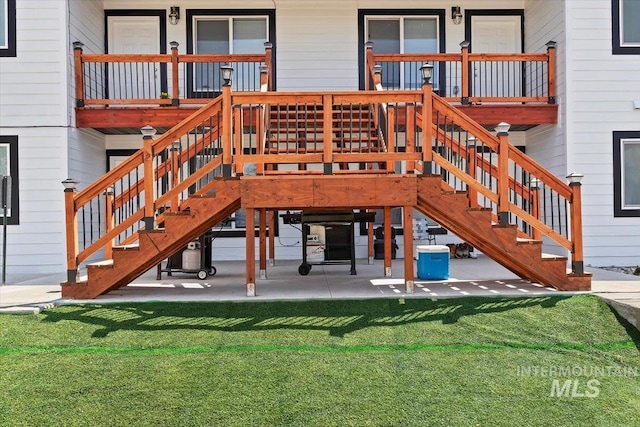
[(523, 241), (553, 257), (107, 263), (134, 246)]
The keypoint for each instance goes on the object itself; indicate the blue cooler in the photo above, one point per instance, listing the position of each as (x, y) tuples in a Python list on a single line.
[(433, 262)]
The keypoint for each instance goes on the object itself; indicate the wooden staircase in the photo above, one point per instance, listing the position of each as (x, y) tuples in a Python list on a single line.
[(523, 257), (323, 130), (180, 228)]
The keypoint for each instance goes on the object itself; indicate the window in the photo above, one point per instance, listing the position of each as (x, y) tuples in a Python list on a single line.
[(625, 15), (403, 35), (626, 164), (402, 31), (9, 167), (233, 33), (7, 27)]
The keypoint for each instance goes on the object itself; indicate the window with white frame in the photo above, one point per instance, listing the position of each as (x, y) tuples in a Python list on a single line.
[(7, 28), (403, 34), (626, 167), (626, 31), (228, 35)]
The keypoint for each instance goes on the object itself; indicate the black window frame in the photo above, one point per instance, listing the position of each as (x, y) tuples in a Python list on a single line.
[(10, 50), (618, 209), (616, 42), (12, 142), (363, 14), (271, 34)]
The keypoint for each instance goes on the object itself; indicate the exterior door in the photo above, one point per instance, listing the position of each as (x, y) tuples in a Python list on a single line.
[(496, 34), (134, 34)]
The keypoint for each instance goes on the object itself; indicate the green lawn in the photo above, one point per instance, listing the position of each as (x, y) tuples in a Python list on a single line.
[(413, 362)]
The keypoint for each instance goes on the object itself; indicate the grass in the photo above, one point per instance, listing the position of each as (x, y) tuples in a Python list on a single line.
[(331, 363)]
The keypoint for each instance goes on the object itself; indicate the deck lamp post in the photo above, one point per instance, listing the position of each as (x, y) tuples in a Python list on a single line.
[(575, 183), (227, 72), (502, 132), (70, 184), (427, 72), (148, 132)]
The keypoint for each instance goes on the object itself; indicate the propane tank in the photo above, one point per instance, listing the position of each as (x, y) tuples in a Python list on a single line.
[(191, 257)]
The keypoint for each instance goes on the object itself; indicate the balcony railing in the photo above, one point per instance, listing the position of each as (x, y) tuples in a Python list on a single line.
[(162, 79), (471, 78)]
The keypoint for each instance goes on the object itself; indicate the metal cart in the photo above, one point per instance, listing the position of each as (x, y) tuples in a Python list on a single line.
[(203, 270), (327, 237)]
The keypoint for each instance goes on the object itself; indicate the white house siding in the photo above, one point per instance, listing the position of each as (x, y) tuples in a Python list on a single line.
[(601, 89), (33, 90)]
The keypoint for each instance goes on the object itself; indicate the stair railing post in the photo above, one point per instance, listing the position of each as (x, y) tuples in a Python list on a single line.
[(327, 114), (472, 167), (174, 150), (535, 206), (71, 219), (148, 133), (551, 70), (268, 61), (577, 257), (502, 132), (370, 62), (79, 73), (464, 92), (227, 121), (427, 118), (175, 89), (109, 220)]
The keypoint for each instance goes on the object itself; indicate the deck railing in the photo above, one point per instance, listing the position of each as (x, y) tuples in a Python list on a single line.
[(379, 132), (471, 78), (162, 79)]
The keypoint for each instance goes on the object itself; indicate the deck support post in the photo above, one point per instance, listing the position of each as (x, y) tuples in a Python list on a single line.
[(409, 277), (272, 238), (370, 247), (577, 259), (250, 253), (262, 274), (503, 176), (388, 241), (72, 232)]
